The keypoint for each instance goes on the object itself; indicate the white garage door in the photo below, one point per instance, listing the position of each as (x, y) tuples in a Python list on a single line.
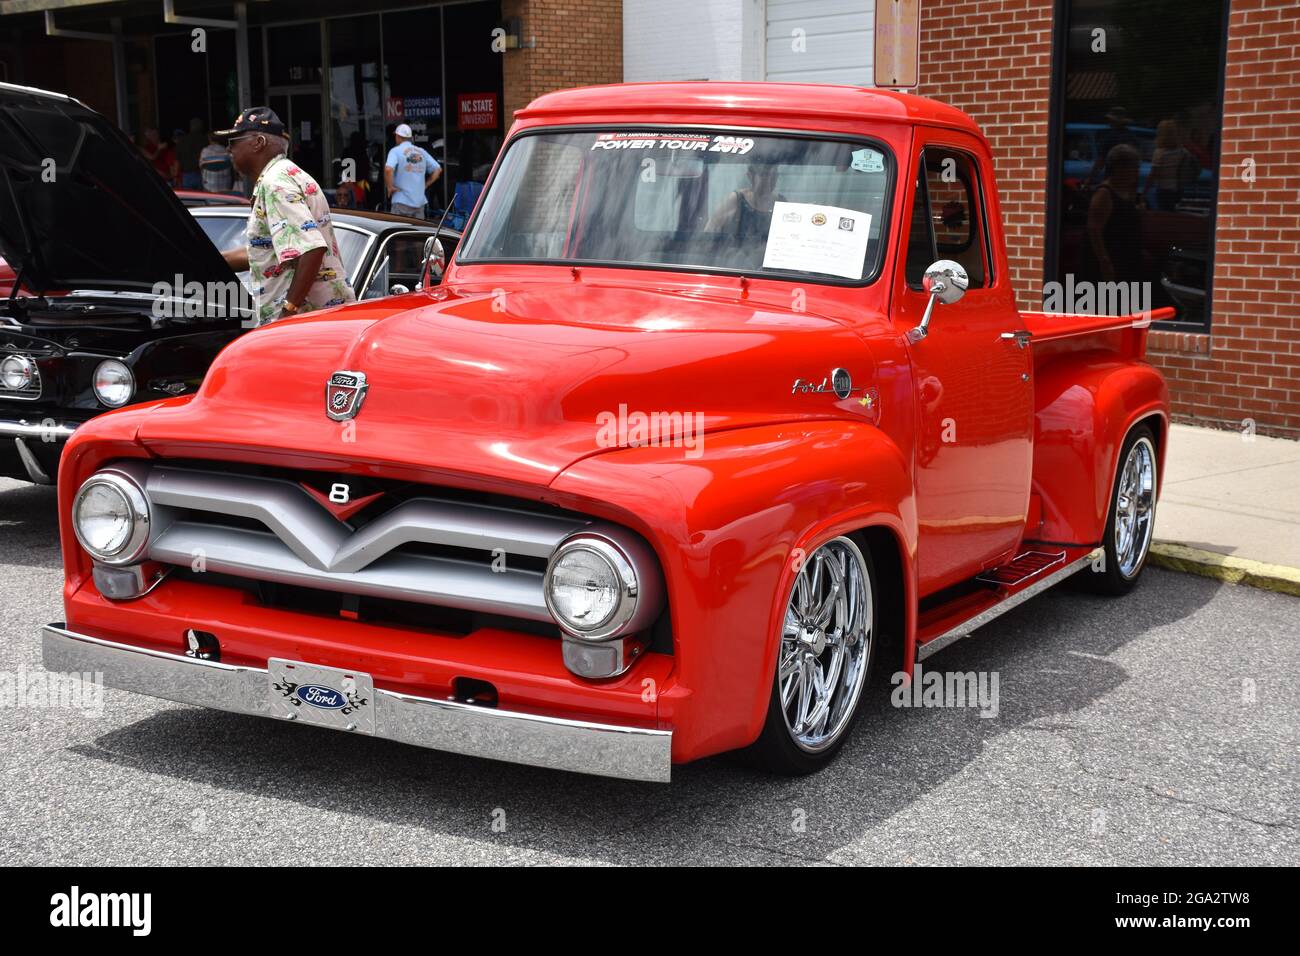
[(820, 41)]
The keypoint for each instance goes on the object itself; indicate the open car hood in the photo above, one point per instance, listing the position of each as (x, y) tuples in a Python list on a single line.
[(81, 208)]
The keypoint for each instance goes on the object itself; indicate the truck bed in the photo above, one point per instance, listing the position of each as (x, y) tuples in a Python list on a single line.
[(1047, 326)]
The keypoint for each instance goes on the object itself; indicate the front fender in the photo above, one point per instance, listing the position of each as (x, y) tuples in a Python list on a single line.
[(1085, 404), (101, 440), (725, 525)]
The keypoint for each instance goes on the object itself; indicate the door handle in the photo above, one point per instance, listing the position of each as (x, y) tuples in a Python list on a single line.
[(1021, 337)]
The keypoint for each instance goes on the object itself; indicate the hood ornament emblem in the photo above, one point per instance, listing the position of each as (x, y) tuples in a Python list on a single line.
[(344, 393)]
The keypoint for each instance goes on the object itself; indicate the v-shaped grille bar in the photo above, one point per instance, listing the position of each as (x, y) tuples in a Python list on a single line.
[(304, 544)]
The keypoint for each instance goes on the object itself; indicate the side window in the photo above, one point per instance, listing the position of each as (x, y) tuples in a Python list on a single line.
[(947, 218), (399, 264), (920, 237)]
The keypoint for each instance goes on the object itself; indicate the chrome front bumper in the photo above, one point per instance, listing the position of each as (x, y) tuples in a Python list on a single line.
[(24, 434), (44, 430), (607, 750)]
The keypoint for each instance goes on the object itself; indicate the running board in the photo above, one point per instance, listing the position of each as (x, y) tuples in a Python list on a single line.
[(1021, 568), (986, 608)]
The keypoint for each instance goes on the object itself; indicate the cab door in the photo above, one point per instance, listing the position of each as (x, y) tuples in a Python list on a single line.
[(974, 388)]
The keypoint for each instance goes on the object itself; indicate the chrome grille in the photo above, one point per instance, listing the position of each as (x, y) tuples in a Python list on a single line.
[(280, 533)]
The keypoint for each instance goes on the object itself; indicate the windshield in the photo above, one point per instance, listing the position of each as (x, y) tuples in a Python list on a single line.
[(777, 205)]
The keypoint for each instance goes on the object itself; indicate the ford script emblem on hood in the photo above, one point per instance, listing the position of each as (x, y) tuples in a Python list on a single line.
[(344, 393)]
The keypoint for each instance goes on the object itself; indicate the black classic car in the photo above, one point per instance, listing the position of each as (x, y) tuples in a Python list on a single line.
[(112, 300), (384, 254)]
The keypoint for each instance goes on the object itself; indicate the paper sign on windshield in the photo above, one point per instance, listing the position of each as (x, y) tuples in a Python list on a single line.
[(805, 237)]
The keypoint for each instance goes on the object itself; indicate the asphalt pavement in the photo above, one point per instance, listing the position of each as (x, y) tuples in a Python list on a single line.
[(1161, 728)]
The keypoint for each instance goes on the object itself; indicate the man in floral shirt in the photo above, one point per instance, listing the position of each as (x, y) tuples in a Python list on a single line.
[(291, 252)]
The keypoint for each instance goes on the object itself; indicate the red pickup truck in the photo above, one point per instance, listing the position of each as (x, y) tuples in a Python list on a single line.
[(724, 396)]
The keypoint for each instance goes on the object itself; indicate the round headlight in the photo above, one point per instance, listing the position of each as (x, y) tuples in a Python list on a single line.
[(111, 518), (16, 372), (591, 587), (114, 383)]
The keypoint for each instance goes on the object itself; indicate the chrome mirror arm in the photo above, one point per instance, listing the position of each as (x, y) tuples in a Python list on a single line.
[(921, 331), (946, 281)]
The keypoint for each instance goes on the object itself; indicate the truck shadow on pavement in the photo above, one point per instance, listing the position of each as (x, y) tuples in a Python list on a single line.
[(1051, 655), (29, 525)]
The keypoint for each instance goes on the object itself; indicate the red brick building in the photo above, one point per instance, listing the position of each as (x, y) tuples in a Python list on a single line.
[(1002, 63), (573, 43)]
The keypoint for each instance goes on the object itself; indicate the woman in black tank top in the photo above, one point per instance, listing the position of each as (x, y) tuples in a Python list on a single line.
[(747, 213), (1112, 248)]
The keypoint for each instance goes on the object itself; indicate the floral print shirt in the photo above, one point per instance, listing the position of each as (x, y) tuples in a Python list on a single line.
[(291, 217)]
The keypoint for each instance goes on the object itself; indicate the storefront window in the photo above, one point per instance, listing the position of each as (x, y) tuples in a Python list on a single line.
[(1138, 155), (203, 83), (294, 91), (413, 60), (474, 95), (432, 67), (293, 54), (356, 111)]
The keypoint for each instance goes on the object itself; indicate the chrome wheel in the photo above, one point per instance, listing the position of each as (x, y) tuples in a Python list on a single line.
[(1135, 507), (825, 645)]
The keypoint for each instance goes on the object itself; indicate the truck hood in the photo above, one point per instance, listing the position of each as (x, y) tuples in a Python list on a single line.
[(513, 385), (81, 208)]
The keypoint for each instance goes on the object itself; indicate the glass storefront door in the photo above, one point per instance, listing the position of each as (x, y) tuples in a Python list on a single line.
[(414, 94), (294, 90), (299, 110), (356, 108)]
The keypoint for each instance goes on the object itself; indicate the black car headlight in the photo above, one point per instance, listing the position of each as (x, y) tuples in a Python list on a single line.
[(114, 383), (17, 373)]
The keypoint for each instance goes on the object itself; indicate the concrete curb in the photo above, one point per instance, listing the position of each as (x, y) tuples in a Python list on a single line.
[(1225, 567)]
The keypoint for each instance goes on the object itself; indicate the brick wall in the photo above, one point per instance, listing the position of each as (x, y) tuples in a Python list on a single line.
[(994, 62), (578, 43), (1250, 366)]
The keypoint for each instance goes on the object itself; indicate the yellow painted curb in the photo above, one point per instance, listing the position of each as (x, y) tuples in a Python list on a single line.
[(1225, 567)]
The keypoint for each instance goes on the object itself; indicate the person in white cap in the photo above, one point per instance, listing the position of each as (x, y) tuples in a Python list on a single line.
[(408, 172)]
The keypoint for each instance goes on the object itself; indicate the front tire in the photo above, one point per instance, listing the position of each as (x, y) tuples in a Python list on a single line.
[(1131, 522), (827, 643)]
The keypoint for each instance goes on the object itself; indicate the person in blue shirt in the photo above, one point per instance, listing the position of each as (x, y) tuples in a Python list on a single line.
[(408, 172)]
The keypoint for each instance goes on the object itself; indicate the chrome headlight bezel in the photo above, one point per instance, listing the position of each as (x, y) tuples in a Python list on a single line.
[(129, 376), (635, 567), (137, 504), (28, 368)]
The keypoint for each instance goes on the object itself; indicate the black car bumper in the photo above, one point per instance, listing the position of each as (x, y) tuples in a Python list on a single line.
[(30, 446)]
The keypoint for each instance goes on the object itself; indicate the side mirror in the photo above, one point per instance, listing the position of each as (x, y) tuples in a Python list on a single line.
[(946, 281), (435, 261)]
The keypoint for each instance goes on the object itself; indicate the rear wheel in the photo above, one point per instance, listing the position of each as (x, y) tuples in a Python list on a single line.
[(1131, 522), (827, 644)]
